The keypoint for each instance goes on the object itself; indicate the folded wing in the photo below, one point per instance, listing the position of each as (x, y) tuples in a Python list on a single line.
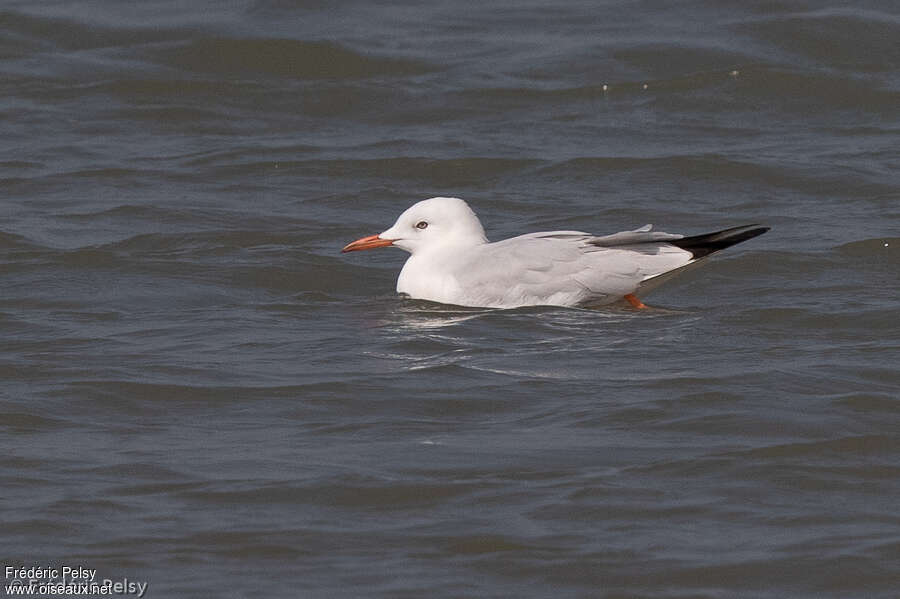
[(576, 268)]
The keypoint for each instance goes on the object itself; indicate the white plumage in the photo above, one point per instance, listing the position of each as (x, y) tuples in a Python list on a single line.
[(453, 262)]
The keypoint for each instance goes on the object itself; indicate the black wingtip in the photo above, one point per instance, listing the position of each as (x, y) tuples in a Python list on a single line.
[(704, 245)]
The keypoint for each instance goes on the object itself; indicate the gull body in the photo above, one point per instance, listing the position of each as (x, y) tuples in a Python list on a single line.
[(453, 262)]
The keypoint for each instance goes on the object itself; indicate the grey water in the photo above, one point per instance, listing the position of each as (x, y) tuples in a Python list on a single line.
[(200, 392)]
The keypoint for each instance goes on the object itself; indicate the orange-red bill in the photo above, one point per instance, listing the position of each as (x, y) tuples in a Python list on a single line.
[(367, 243)]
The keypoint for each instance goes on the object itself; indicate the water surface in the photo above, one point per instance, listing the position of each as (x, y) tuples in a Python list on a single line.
[(199, 391)]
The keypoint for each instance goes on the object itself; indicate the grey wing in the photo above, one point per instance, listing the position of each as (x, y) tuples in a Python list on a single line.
[(637, 259), (568, 267), (525, 271)]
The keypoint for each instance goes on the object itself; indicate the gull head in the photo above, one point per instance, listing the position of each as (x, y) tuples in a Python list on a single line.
[(426, 225)]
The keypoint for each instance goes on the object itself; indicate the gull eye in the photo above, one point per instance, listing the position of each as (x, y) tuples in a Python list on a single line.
[(421, 224)]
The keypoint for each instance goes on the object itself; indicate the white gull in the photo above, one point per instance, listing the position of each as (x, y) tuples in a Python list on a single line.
[(453, 262)]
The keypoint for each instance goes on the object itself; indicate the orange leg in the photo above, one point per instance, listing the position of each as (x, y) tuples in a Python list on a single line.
[(635, 302)]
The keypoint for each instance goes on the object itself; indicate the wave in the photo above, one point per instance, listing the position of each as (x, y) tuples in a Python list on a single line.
[(860, 445), (881, 248), (18, 422), (11, 241), (438, 172), (290, 58), (851, 38), (31, 32), (712, 166), (663, 61)]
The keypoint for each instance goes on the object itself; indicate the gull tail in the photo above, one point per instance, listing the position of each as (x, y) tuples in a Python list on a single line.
[(704, 245), (701, 246)]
